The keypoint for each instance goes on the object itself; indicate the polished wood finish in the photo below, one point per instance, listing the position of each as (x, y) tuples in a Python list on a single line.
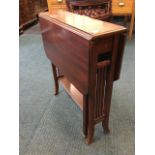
[(84, 26), (72, 91), (132, 22), (56, 5), (122, 7), (125, 8), (86, 59)]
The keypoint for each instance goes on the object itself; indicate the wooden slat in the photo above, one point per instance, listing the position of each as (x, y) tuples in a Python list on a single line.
[(100, 88), (104, 87), (72, 91), (99, 119), (103, 64), (101, 91)]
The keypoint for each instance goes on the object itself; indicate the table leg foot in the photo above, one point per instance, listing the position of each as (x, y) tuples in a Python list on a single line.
[(105, 126), (90, 135), (88, 140)]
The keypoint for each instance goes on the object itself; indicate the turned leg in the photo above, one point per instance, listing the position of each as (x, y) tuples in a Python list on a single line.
[(55, 79)]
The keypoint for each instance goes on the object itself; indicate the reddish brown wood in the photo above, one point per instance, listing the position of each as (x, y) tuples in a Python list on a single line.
[(91, 92), (85, 62), (72, 91), (85, 115), (109, 84), (119, 57), (100, 89), (60, 48)]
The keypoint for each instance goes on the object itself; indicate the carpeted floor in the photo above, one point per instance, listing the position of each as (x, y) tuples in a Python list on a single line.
[(52, 125)]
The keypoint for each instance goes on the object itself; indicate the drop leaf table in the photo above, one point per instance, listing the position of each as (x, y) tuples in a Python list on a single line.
[(86, 56)]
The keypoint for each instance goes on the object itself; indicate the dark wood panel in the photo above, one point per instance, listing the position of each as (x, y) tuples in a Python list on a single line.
[(106, 47), (28, 10), (67, 51), (119, 57)]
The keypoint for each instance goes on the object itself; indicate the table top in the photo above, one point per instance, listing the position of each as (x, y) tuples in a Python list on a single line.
[(92, 27)]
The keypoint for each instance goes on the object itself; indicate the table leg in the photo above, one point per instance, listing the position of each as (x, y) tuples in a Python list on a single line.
[(90, 122), (85, 115), (55, 79), (132, 23)]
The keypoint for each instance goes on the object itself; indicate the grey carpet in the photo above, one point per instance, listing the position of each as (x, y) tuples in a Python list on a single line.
[(52, 125)]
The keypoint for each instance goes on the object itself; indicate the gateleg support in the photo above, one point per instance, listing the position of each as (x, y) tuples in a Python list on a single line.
[(56, 82)]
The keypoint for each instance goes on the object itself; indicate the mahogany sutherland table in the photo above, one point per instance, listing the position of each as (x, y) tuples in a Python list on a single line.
[(86, 56)]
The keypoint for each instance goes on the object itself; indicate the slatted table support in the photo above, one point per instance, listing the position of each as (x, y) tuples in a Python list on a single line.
[(85, 63)]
